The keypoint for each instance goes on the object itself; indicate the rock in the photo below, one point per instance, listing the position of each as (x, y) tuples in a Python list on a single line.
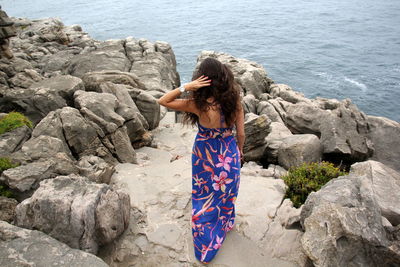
[(43, 147), (20, 100), (26, 177), (95, 169), (7, 209), (286, 93), (154, 64), (13, 140), (256, 129), (78, 212), (100, 108), (342, 131), (45, 30), (385, 135), (22, 247), (122, 146), (25, 78), (93, 80), (268, 109), (251, 76), (250, 104), (63, 85), (299, 148), (77, 134), (148, 107), (109, 55), (134, 120), (278, 132), (383, 180), (343, 220), (283, 239)]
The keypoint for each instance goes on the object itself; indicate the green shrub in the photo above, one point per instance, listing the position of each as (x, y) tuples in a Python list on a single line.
[(5, 191), (5, 164), (12, 121), (302, 180)]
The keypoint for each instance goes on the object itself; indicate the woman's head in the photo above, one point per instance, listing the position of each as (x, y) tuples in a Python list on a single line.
[(223, 90)]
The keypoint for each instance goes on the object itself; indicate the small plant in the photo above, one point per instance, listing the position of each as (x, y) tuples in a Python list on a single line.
[(12, 121), (5, 163), (302, 180)]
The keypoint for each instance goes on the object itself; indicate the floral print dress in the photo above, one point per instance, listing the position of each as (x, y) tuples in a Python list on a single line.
[(215, 184)]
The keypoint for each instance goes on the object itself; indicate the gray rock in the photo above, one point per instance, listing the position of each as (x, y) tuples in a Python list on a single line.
[(134, 120), (13, 140), (7, 209), (268, 109), (95, 169), (299, 148), (343, 220), (122, 146), (109, 55), (342, 131), (43, 147), (385, 134), (64, 85), (26, 177), (278, 132), (286, 93), (25, 78), (256, 129), (78, 212), (251, 76), (21, 100), (93, 80), (154, 64), (148, 107), (250, 104), (100, 108), (22, 247)]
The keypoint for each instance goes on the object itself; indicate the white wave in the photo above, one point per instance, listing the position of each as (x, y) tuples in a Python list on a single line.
[(360, 85)]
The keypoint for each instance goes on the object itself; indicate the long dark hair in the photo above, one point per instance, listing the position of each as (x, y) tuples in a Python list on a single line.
[(223, 89)]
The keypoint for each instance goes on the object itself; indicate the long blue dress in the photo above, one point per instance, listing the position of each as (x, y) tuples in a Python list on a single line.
[(215, 184)]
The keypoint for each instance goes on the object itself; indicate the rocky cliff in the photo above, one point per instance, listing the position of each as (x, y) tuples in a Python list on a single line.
[(105, 171)]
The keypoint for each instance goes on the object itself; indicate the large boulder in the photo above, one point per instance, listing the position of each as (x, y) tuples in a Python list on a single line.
[(154, 64), (79, 135), (109, 55), (256, 128), (385, 134), (148, 107), (353, 219), (78, 212), (299, 148), (22, 247), (278, 133), (342, 131), (251, 76)]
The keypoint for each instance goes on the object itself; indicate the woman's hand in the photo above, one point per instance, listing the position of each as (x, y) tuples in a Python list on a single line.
[(202, 81)]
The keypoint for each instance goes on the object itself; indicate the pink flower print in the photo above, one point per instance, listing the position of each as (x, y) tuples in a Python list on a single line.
[(219, 242), (224, 162), (221, 181)]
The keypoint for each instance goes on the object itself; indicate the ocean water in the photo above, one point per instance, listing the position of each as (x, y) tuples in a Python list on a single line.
[(331, 48)]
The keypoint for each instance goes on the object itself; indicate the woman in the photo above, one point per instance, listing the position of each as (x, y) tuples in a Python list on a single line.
[(214, 105)]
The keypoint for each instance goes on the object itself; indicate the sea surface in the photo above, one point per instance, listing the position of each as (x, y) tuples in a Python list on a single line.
[(331, 48)]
